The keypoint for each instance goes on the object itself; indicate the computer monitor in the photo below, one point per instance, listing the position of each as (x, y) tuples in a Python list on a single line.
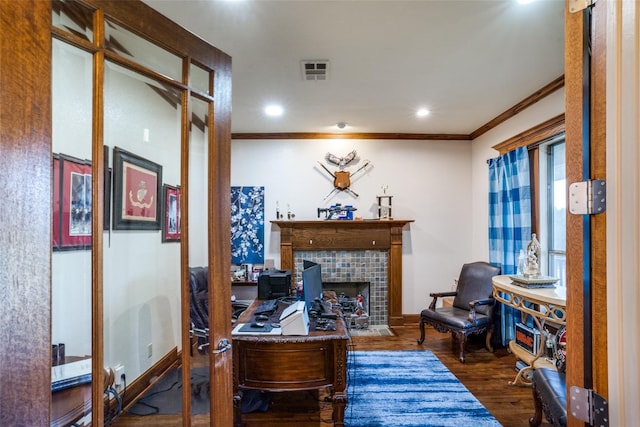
[(306, 264), (311, 283)]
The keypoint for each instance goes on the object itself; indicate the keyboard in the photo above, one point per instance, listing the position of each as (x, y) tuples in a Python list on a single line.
[(267, 307)]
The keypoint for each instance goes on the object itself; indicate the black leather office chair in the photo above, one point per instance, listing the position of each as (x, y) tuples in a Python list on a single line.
[(472, 309), (199, 305)]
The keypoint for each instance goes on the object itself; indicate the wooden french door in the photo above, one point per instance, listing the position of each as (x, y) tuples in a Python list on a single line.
[(586, 234)]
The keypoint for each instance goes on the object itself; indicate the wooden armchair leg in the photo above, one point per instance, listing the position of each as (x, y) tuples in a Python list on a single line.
[(421, 339), (463, 340), (488, 341)]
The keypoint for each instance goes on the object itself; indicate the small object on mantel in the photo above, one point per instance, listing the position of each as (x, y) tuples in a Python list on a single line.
[(384, 204), (337, 211)]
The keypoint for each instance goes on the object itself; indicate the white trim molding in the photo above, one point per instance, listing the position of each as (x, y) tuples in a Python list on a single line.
[(623, 210)]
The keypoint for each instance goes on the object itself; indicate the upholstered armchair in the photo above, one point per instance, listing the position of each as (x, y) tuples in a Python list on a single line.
[(472, 309)]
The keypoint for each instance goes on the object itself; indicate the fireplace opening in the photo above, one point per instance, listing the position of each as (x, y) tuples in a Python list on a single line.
[(357, 270), (353, 298)]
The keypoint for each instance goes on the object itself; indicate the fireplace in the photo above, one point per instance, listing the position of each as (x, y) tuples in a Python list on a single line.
[(347, 294), (351, 251), (354, 271)]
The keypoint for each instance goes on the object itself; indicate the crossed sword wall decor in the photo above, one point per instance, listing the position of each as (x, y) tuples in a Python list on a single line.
[(342, 179)]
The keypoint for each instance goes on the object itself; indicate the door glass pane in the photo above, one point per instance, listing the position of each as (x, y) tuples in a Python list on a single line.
[(141, 296), (71, 225), (199, 79), (199, 259), (73, 18), (141, 51)]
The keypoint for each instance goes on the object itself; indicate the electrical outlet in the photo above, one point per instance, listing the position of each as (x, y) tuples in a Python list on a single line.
[(149, 350), (119, 372)]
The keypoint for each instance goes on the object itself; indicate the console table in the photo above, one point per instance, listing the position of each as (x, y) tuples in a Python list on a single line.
[(290, 363), (543, 304)]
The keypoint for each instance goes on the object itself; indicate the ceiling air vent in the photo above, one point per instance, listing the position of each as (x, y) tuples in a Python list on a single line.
[(315, 70)]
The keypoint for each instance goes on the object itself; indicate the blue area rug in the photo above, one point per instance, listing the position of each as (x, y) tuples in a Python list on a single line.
[(409, 389)]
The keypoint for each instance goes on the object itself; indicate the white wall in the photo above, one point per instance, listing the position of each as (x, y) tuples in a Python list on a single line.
[(442, 185), (428, 179)]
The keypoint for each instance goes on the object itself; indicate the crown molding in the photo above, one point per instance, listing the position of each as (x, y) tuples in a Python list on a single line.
[(511, 112)]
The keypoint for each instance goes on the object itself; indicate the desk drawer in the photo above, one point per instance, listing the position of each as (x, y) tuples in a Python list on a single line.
[(285, 366)]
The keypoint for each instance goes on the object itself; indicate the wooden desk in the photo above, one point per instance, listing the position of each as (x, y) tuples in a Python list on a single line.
[(289, 363), (543, 304)]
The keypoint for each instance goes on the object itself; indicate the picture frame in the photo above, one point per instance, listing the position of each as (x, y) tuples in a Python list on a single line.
[(108, 176), (171, 219), (75, 202), (56, 192), (137, 192)]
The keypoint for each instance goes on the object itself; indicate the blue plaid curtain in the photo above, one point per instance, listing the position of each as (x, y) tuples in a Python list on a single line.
[(509, 220)]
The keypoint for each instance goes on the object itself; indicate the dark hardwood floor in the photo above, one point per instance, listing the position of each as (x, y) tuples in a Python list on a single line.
[(485, 374)]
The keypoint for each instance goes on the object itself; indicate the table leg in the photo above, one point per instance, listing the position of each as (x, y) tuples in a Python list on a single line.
[(521, 377), (338, 391), (339, 404), (237, 409)]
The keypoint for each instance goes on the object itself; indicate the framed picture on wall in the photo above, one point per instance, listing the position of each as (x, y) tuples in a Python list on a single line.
[(108, 174), (171, 217), (75, 203), (56, 192), (136, 192)]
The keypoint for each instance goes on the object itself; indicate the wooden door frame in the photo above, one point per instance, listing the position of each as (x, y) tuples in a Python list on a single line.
[(26, 162), (577, 225), (25, 264)]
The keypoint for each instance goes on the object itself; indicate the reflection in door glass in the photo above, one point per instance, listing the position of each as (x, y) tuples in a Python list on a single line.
[(198, 258), (71, 226), (141, 291)]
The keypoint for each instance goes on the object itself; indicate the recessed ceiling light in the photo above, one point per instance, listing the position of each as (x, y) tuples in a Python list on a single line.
[(273, 110), (422, 112), (341, 125)]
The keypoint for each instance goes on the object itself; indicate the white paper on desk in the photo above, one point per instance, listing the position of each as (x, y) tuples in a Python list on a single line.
[(273, 331)]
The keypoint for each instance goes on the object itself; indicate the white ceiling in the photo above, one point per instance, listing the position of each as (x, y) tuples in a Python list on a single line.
[(466, 61)]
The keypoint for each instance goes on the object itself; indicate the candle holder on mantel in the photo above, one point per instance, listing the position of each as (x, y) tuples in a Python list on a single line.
[(384, 204)]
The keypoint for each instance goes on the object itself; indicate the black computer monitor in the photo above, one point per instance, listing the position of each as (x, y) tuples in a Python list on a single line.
[(311, 283)]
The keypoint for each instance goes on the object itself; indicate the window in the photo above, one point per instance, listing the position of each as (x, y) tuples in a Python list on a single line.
[(553, 205)]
